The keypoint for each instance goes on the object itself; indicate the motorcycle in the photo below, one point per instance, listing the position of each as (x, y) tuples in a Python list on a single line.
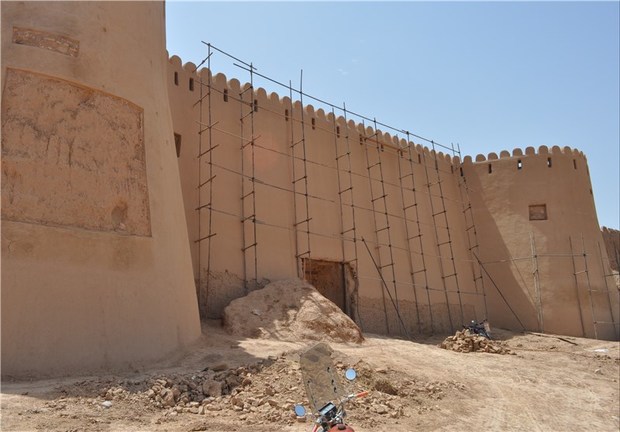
[(481, 328), (324, 390)]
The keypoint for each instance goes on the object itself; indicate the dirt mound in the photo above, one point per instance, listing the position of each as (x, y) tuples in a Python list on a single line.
[(464, 341), (289, 310)]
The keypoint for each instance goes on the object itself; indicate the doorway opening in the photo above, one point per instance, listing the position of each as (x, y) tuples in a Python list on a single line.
[(333, 279)]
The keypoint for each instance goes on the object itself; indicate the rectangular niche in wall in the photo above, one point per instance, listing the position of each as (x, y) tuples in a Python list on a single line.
[(72, 156), (538, 212)]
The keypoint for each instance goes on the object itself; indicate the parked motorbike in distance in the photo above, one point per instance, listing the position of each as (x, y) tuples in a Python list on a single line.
[(324, 390), (481, 328)]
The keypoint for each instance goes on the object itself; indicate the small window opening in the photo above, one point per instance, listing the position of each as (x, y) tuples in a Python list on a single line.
[(574, 164), (452, 169), (313, 123), (337, 131), (191, 84), (538, 212), (361, 139), (490, 168), (255, 105), (519, 164), (286, 115), (225, 95), (177, 143), (436, 165), (419, 158), (461, 169), (176, 78), (549, 162)]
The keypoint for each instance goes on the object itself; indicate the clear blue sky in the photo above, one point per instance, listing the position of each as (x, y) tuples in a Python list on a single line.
[(489, 76)]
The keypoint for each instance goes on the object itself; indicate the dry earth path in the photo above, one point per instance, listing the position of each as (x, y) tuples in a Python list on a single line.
[(547, 384)]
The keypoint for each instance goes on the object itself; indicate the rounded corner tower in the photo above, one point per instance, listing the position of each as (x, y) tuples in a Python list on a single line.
[(541, 243), (96, 267)]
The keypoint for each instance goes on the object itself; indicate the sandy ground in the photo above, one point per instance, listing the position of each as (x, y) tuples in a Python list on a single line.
[(547, 384)]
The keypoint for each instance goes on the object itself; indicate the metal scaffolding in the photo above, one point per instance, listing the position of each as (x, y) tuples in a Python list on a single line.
[(300, 182), (416, 178), (208, 183), (345, 189), (249, 106), (473, 244), (380, 213), (411, 204)]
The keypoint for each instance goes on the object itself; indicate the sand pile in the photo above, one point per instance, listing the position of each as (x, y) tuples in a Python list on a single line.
[(464, 341), (289, 310)]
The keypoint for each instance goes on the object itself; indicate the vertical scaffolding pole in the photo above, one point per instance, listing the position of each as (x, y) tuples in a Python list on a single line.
[(605, 276), (586, 271), (304, 179), (429, 184), (470, 229), (338, 156), (444, 211), (353, 228), (201, 302), (300, 274), (572, 255), (387, 228), (378, 263), (408, 206), (344, 189), (536, 275), (203, 294), (252, 243), (419, 239)]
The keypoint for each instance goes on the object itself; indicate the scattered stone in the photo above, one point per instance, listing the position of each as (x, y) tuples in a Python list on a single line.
[(167, 398), (212, 388), (219, 367), (380, 409), (106, 404), (464, 341)]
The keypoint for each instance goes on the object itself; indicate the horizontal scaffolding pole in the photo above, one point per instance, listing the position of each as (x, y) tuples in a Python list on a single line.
[(426, 287), (335, 236), (205, 237)]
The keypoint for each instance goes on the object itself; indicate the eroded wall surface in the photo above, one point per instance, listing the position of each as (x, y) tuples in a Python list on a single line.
[(96, 269)]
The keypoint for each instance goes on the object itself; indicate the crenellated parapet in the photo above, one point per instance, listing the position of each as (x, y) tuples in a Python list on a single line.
[(530, 152), (187, 78)]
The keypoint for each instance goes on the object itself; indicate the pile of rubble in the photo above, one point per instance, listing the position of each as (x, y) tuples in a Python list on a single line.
[(267, 391), (465, 341)]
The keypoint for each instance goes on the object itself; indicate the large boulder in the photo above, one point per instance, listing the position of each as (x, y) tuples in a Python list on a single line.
[(289, 310)]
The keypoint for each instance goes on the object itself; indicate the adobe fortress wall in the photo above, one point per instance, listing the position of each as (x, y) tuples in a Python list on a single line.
[(315, 184)]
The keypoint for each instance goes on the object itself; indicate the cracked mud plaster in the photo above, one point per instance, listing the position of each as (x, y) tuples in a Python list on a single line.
[(72, 156)]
